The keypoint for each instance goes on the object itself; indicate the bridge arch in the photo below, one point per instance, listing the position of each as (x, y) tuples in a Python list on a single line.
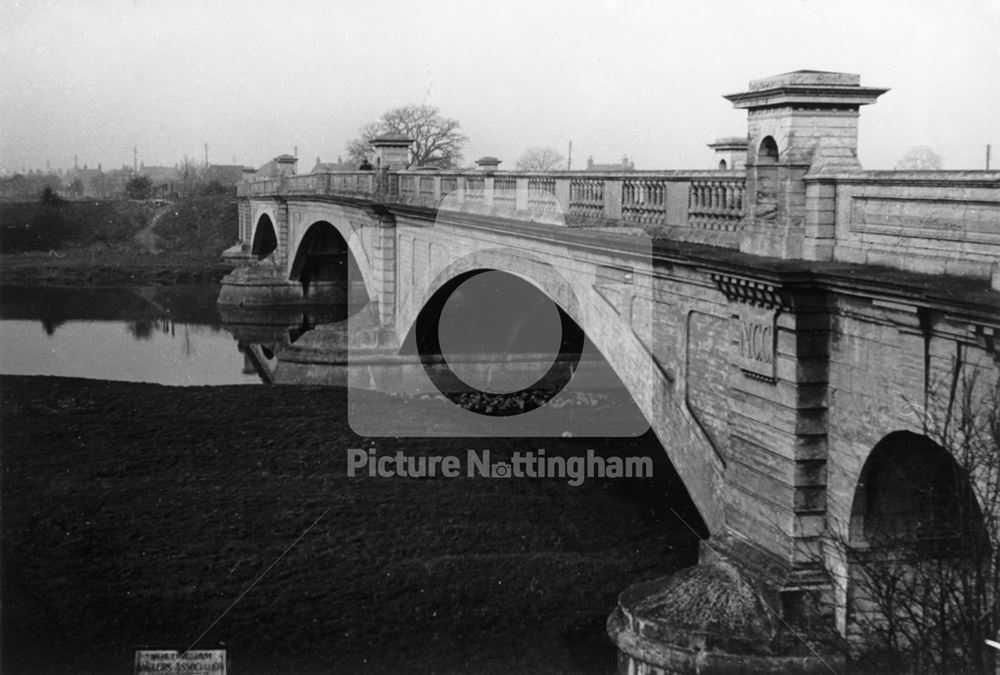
[(911, 492), (601, 325), (265, 238), (323, 259), (493, 312), (534, 271), (330, 245), (530, 269)]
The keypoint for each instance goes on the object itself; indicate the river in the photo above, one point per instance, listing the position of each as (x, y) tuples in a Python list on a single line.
[(163, 335)]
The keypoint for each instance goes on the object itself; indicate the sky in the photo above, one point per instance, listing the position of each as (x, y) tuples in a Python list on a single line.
[(644, 78)]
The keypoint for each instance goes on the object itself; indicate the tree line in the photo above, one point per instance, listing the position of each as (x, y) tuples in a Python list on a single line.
[(438, 140), (185, 179)]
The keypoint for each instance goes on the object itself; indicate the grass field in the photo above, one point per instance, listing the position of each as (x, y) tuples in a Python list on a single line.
[(104, 243), (134, 514)]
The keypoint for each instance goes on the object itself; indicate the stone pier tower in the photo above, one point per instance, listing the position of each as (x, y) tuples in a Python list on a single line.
[(799, 123)]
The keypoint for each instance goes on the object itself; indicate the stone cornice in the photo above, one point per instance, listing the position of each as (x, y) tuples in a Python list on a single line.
[(988, 179), (852, 96), (751, 291)]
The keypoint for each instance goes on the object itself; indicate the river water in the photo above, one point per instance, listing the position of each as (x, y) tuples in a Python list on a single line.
[(164, 335)]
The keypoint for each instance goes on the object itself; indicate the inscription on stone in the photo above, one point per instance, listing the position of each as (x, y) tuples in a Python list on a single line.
[(755, 342), (194, 662)]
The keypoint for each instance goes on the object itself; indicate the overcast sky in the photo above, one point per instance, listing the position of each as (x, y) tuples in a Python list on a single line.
[(643, 78)]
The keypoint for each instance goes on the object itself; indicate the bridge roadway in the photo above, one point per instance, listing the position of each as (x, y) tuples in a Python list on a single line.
[(774, 367)]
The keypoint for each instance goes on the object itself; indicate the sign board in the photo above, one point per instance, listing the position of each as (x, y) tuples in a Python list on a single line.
[(755, 342), (194, 662)]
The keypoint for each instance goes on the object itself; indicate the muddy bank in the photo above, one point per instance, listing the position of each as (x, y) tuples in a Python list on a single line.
[(134, 514), (95, 267)]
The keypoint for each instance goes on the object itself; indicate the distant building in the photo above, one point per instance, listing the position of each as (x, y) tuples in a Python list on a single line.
[(93, 183), (226, 175), (626, 165), (166, 180), (339, 165)]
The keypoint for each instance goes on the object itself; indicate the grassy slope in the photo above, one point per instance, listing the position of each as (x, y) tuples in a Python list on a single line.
[(94, 242), (133, 514)]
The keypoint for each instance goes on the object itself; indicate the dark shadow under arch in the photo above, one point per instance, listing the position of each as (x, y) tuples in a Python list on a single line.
[(912, 493), (265, 241), (323, 259)]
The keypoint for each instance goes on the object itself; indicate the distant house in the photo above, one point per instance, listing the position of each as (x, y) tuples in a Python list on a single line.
[(93, 182), (226, 175), (166, 180), (339, 165), (626, 165)]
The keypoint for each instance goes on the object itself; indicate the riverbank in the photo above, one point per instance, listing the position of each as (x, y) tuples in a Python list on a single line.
[(110, 267), (134, 514), (116, 243)]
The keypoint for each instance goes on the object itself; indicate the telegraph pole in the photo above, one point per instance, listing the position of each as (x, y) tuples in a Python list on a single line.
[(987, 156), (569, 157)]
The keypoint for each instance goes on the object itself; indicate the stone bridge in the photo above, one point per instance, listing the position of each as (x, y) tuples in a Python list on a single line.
[(783, 328)]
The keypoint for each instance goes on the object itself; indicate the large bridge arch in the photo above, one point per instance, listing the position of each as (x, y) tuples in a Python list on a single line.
[(322, 255), (533, 270), (608, 330), (351, 227)]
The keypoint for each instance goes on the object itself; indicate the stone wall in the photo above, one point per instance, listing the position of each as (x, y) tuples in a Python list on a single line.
[(889, 362), (931, 222)]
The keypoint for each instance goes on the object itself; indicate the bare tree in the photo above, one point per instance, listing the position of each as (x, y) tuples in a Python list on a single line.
[(190, 174), (437, 140), (920, 158), (925, 583), (540, 159)]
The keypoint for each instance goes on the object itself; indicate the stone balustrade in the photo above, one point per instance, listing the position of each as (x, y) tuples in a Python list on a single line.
[(716, 204), (586, 197), (666, 198), (644, 201), (505, 192), (940, 222)]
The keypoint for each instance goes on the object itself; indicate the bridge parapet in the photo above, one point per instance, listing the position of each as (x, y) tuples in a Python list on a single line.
[(685, 205), (936, 222)]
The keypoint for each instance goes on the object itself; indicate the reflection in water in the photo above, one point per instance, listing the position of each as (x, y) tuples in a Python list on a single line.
[(175, 353), (49, 325), (165, 335), (263, 333)]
